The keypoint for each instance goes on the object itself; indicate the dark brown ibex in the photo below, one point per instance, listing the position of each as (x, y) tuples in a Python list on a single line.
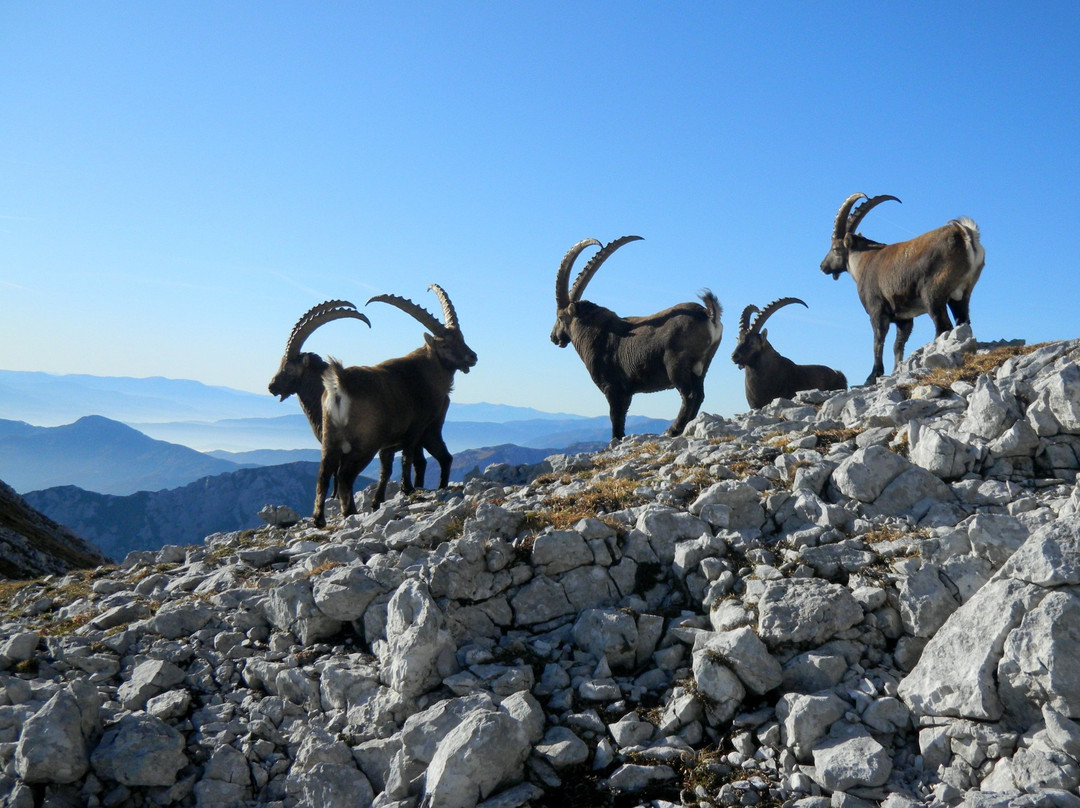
[(898, 282), (397, 404), (768, 374), (628, 355)]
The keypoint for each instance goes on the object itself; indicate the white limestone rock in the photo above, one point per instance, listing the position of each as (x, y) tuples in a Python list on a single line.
[(291, 607), (804, 611), (1040, 662), (849, 757), (479, 756), (140, 750), (745, 654), (955, 675), (52, 745), (419, 651), (608, 634)]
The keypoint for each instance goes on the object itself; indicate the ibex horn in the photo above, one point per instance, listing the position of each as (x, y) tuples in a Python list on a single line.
[(839, 229), (448, 314), (562, 297), (744, 320), (863, 209), (586, 275), (422, 315), (317, 316), (771, 309)]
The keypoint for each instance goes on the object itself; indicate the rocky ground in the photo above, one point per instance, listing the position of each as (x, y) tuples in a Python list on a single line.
[(870, 597)]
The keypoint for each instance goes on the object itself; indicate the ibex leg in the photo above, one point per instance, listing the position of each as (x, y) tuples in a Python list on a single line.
[(693, 395), (618, 405), (903, 331)]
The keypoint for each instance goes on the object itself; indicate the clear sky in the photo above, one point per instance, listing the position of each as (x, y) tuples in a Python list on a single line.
[(180, 181)]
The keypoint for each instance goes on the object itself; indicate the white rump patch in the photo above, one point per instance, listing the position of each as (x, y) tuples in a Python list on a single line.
[(976, 256), (336, 404), (716, 331)]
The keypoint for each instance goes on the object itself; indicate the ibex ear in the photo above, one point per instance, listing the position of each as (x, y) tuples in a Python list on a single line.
[(764, 333), (572, 309), (849, 239), (430, 340)]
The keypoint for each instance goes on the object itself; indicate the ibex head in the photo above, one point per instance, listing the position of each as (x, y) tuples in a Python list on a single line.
[(844, 228), (566, 301), (752, 339), (445, 338), (294, 364)]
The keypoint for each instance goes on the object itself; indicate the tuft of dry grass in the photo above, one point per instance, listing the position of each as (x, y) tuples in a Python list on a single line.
[(977, 364), (605, 496), (326, 566), (827, 437)]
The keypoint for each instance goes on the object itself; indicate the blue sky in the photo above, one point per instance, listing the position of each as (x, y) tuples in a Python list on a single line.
[(180, 181)]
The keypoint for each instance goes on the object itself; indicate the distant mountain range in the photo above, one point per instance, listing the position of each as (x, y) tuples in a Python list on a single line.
[(47, 399), (99, 455), (149, 520), (138, 463), (186, 515), (220, 420)]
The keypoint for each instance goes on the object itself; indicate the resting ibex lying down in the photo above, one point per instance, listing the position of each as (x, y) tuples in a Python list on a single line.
[(768, 374)]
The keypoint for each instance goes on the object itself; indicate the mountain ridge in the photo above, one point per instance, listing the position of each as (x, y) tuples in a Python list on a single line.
[(98, 454)]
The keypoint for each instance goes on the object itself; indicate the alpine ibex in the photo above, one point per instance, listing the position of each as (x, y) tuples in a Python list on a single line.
[(768, 374), (397, 404), (898, 282), (628, 355)]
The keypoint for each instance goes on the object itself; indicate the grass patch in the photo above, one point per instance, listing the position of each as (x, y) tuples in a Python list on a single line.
[(326, 566), (977, 364), (605, 496), (10, 589), (62, 628), (827, 437)]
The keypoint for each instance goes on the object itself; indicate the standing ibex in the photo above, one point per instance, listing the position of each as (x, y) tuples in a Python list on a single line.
[(768, 374), (628, 355), (397, 404), (898, 282)]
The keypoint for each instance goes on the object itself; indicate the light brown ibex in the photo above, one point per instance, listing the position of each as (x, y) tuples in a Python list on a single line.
[(898, 282)]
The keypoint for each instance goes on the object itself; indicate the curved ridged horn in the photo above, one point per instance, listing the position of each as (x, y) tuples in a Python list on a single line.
[(422, 315), (562, 297), (317, 316), (448, 314), (839, 228), (586, 275), (771, 309), (744, 320), (863, 209)]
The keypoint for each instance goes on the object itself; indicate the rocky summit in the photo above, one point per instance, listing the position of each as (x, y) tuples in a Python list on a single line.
[(863, 597)]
